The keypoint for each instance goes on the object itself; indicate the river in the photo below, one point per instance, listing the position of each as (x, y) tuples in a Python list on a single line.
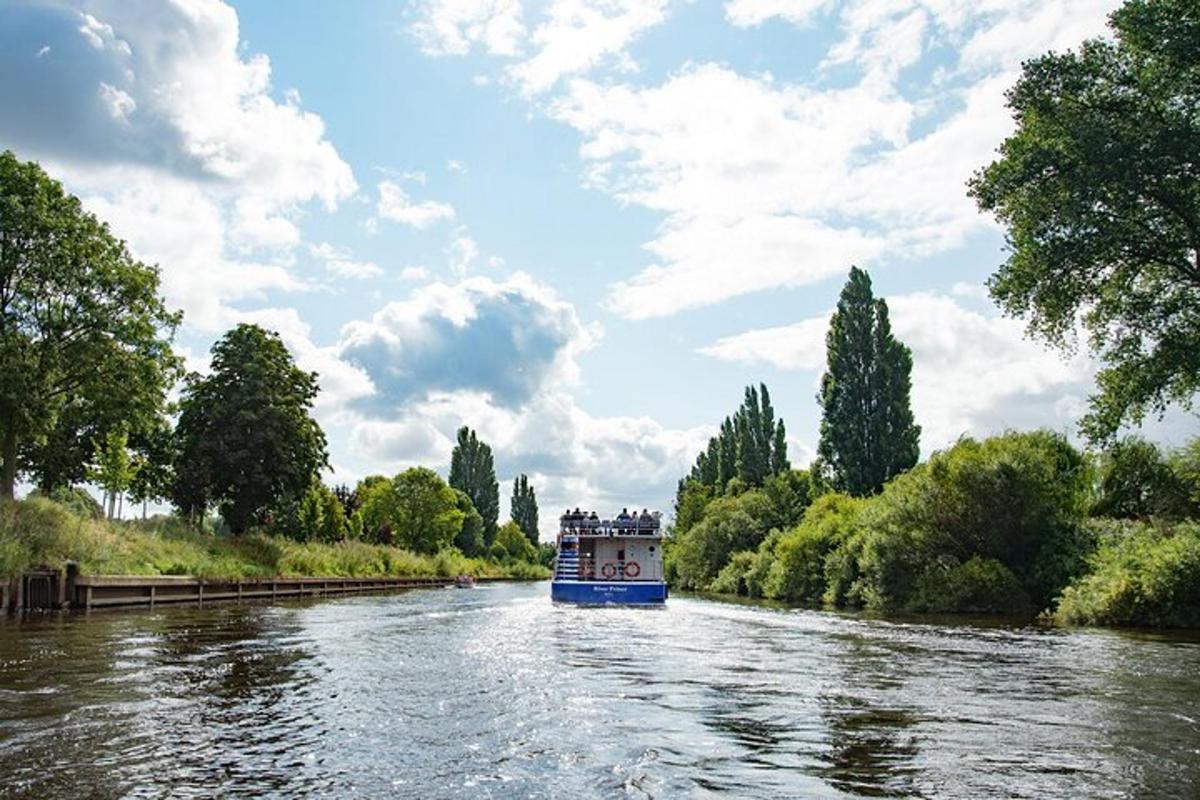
[(494, 692)]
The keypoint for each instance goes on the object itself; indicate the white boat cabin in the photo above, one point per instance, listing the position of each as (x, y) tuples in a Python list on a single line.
[(627, 547)]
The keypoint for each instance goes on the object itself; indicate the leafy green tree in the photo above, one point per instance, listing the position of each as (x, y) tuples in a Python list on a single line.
[(114, 469), (524, 508), (246, 439), (868, 434), (416, 507), (516, 544), (1099, 189), (81, 321), (469, 539), (472, 470), (153, 453), (1137, 482)]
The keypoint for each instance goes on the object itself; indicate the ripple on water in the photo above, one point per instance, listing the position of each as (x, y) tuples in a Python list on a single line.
[(497, 693)]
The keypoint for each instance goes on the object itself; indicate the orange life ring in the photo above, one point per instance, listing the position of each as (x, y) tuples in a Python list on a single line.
[(632, 570), (609, 570)]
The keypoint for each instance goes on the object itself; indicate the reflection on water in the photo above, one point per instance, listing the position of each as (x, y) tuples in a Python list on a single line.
[(496, 693)]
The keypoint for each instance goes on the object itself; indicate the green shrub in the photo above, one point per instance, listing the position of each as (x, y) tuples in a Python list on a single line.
[(1140, 576), (978, 585), (730, 524), (732, 577), (797, 574)]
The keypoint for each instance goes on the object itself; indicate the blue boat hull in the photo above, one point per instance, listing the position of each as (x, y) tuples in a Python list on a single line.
[(602, 593)]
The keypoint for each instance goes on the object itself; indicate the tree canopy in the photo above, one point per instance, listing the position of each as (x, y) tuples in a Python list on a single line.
[(246, 438), (85, 338), (868, 435), (524, 508), (473, 472), (416, 510), (1099, 189)]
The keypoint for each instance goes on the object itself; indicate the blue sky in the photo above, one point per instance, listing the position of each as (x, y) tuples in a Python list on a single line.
[(580, 226)]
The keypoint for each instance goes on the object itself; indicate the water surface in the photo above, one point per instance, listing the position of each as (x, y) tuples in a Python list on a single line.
[(494, 692)]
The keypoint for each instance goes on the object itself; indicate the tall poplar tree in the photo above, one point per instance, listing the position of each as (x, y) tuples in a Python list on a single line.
[(524, 508), (473, 472), (868, 434)]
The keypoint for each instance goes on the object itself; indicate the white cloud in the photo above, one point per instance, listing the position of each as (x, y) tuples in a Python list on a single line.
[(576, 35), (571, 37), (169, 130), (454, 165), (119, 104), (745, 13), (342, 263), (43, 50), (396, 205), (454, 27), (462, 253), (415, 273), (767, 184), (504, 340), (973, 373)]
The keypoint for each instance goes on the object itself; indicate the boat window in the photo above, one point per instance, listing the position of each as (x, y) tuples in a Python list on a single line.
[(620, 555)]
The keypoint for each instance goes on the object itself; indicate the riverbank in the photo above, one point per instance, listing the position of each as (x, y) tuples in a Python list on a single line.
[(40, 533)]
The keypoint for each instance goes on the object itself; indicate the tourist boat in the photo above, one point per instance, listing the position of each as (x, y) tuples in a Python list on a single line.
[(609, 561), (464, 581)]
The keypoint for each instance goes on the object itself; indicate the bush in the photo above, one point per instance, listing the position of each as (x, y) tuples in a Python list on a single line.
[(77, 499), (515, 543), (1140, 576), (979, 585), (797, 574), (1137, 482), (1016, 498), (730, 524), (732, 577)]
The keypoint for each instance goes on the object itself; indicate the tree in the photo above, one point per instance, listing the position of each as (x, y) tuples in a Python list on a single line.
[(81, 321), (469, 539), (473, 471), (153, 453), (246, 438), (114, 469), (867, 431), (1099, 189), (1137, 482), (515, 543), (524, 508), (418, 509)]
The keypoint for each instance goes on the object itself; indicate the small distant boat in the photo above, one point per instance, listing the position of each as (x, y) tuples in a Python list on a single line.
[(614, 561), (464, 582)]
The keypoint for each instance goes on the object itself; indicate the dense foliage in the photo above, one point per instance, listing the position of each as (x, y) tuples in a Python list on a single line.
[(524, 508), (867, 431), (998, 526), (85, 338), (246, 438), (1141, 575), (472, 471), (415, 510), (1099, 189)]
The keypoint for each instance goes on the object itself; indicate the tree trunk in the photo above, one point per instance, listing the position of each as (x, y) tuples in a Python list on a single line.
[(8, 464)]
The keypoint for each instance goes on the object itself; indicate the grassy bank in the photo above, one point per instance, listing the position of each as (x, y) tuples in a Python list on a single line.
[(37, 531)]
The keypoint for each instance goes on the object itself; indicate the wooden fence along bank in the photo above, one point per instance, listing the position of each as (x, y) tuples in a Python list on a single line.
[(48, 589)]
